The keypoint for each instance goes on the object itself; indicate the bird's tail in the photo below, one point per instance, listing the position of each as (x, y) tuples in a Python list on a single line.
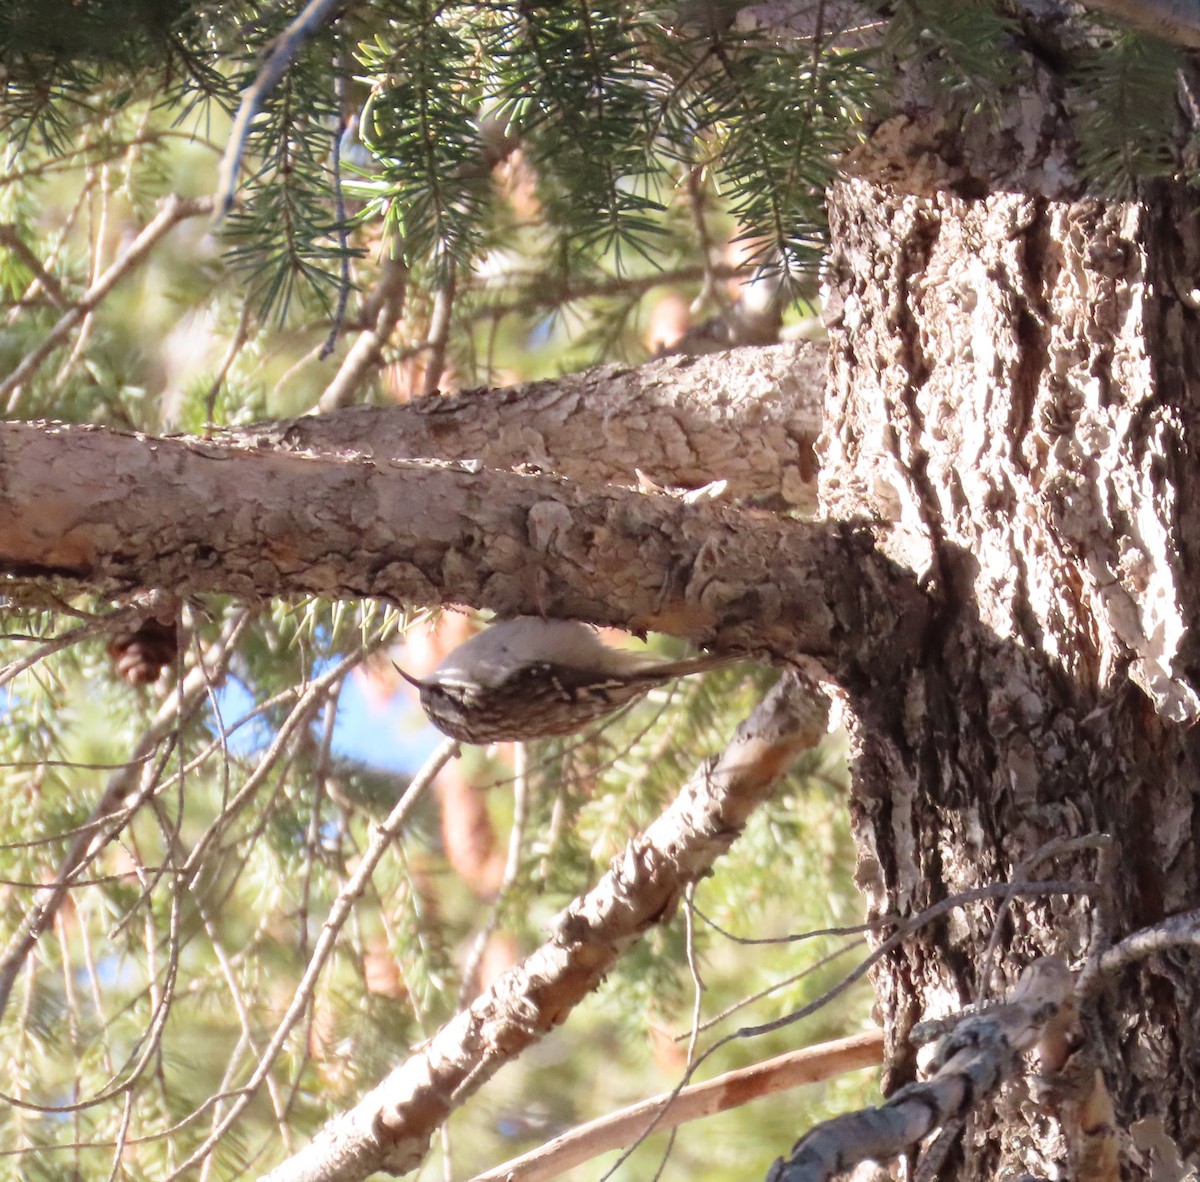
[(657, 670)]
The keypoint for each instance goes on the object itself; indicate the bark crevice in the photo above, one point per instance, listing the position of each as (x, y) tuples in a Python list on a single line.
[(1018, 409)]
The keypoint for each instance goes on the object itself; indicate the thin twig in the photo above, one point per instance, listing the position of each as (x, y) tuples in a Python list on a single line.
[(439, 331), (993, 890), (314, 16), (240, 336), (1177, 931), (854, 929), (1054, 848), (109, 150), (312, 835), (99, 626), (775, 986), (180, 704), (512, 868), (98, 237), (689, 927), (365, 354), (339, 209), (64, 232), (147, 1047), (173, 210), (381, 840), (1104, 914), (11, 237), (972, 1062), (313, 694), (235, 995), (909, 926)]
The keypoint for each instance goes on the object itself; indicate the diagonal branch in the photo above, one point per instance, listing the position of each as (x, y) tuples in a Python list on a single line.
[(1177, 21), (671, 1109), (382, 312), (312, 18), (391, 1127), (10, 236), (381, 840), (171, 211)]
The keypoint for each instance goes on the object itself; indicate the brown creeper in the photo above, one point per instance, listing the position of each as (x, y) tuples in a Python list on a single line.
[(529, 678)]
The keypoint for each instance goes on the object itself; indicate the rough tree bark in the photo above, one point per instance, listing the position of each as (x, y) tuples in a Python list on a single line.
[(1013, 401), (119, 511), (750, 416), (1011, 410)]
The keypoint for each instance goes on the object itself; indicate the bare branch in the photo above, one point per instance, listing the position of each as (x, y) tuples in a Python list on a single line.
[(1054, 848), (179, 705), (392, 1126), (529, 293), (381, 840), (383, 311), (439, 331), (904, 929), (314, 16), (10, 236), (731, 1090), (469, 984), (518, 295), (171, 211), (1176, 931), (240, 336)]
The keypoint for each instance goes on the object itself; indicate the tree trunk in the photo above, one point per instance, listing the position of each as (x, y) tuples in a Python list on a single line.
[(1013, 398)]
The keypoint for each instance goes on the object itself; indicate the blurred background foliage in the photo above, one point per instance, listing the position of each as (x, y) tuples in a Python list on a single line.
[(184, 937), (434, 196)]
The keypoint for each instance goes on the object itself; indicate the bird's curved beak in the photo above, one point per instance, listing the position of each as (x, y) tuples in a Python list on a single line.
[(408, 677)]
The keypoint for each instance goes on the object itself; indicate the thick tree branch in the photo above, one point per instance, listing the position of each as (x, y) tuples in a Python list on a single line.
[(117, 511), (392, 1125), (749, 417)]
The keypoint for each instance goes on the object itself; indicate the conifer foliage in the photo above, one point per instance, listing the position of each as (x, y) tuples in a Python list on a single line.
[(206, 948)]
